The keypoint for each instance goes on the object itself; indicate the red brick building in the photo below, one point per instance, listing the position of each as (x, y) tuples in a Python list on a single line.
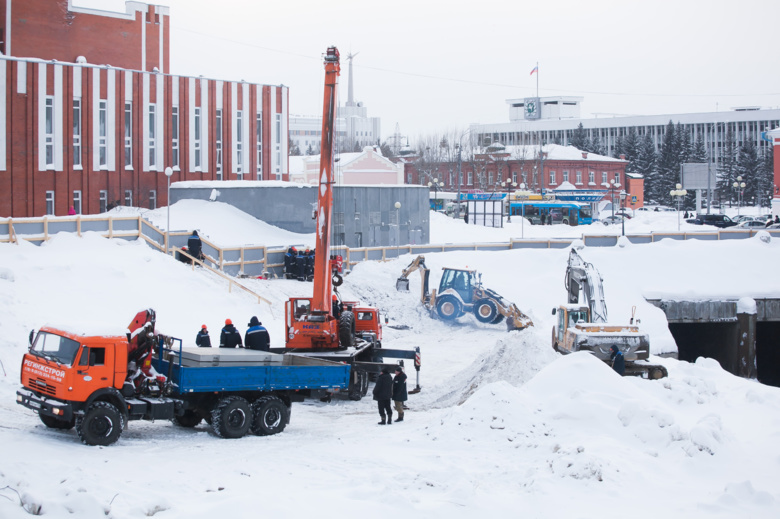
[(92, 119), (524, 165)]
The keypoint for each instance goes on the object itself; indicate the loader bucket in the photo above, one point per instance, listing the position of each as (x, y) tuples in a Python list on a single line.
[(402, 284)]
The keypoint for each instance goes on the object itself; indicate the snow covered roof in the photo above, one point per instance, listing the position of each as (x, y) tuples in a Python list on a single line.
[(556, 152)]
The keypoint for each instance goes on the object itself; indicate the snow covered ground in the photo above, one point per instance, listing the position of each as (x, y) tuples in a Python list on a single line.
[(504, 426)]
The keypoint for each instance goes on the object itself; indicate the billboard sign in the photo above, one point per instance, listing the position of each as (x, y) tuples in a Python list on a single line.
[(694, 176)]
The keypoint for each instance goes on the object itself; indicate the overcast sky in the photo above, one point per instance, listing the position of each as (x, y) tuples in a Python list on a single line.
[(432, 66)]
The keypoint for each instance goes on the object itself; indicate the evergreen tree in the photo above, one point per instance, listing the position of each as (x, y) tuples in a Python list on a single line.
[(728, 166), (749, 168), (683, 143), (387, 150), (620, 147), (645, 165), (596, 146), (295, 151), (309, 150), (579, 139), (767, 178), (668, 172), (631, 147), (698, 151)]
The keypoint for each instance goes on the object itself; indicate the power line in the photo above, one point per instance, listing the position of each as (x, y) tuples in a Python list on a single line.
[(466, 81)]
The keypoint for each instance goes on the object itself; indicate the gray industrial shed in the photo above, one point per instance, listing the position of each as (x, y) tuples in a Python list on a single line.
[(363, 216)]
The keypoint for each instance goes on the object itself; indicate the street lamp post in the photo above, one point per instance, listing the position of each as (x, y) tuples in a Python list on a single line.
[(436, 185), (623, 196), (523, 195), (612, 196), (678, 193), (740, 187), (168, 173), (398, 235), (508, 184)]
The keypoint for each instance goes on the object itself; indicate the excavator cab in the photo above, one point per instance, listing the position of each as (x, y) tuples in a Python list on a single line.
[(461, 281)]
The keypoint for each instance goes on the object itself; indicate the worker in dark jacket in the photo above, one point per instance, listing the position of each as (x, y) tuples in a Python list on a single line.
[(618, 361), (230, 337), (195, 246), (203, 340), (383, 392), (256, 337), (399, 392)]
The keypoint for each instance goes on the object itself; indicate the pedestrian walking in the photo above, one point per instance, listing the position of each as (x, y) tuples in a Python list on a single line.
[(383, 393), (618, 361), (399, 392), (230, 337), (203, 340), (256, 337)]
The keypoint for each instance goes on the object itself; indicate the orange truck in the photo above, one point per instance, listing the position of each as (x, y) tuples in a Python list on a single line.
[(98, 384)]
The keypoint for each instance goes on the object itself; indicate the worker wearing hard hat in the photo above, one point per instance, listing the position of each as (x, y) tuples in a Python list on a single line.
[(230, 337)]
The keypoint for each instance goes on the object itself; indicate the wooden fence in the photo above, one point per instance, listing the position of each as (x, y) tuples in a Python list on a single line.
[(261, 261)]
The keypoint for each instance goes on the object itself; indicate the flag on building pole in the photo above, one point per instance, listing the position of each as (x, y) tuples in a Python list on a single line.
[(536, 69)]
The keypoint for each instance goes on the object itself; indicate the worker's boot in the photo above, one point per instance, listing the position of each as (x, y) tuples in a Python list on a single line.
[(400, 418), (389, 419), (383, 420)]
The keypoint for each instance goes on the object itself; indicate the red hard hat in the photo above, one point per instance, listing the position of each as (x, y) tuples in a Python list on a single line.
[(228, 321), (334, 298), (204, 327)]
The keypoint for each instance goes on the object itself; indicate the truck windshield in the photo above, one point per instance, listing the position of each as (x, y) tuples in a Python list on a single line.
[(54, 347)]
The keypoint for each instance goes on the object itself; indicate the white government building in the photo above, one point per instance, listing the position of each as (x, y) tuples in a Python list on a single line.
[(554, 120)]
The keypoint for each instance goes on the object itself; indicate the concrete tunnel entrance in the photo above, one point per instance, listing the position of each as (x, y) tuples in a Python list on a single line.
[(746, 345)]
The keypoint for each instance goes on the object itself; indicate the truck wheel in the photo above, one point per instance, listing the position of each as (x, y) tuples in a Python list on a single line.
[(270, 416), (56, 423), (347, 329), (356, 384), (101, 424), (498, 319), (231, 417), (448, 308), (485, 310), (190, 418)]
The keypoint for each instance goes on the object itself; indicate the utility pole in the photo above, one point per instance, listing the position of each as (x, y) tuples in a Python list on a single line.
[(460, 181)]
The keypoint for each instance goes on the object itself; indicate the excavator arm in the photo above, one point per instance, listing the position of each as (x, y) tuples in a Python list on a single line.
[(402, 283), (583, 276)]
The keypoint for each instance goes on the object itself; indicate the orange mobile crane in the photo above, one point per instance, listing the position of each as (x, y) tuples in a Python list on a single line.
[(323, 326)]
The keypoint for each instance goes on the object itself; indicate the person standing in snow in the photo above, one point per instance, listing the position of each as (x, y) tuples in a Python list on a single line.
[(399, 392), (195, 246), (618, 361), (383, 392), (230, 337), (203, 340), (256, 337)]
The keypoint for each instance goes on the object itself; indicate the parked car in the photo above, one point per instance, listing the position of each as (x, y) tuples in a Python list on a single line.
[(612, 220), (718, 220), (746, 224), (743, 218), (626, 213)]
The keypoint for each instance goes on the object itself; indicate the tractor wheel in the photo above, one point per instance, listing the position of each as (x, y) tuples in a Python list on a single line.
[(347, 329), (498, 319), (190, 418), (485, 310), (270, 416), (101, 424), (554, 342), (56, 423), (231, 417), (448, 308)]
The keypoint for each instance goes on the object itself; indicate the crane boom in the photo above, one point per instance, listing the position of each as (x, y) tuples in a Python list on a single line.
[(323, 283)]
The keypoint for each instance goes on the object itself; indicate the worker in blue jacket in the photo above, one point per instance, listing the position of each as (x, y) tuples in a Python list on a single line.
[(256, 337), (618, 360), (230, 337)]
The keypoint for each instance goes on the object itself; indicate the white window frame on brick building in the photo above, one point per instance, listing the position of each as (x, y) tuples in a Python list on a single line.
[(77, 201), (128, 135), (152, 139), (239, 165), (103, 201), (565, 175), (129, 197), (49, 132), (50, 203), (77, 134), (259, 144), (103, 134), (218, 143), (153, 199), (198, 140), (579, 177), (591, 178), (175, 138), (552, 178)]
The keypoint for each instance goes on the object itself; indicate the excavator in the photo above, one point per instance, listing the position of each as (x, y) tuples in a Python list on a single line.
[(324, 326), (585, 327), (461, 292)]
